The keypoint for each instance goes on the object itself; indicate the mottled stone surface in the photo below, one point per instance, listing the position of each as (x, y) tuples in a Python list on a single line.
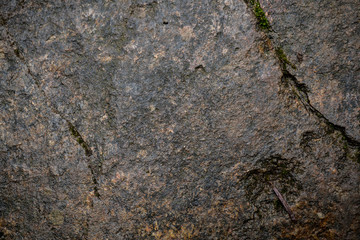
[(171, 120), (321, 38)]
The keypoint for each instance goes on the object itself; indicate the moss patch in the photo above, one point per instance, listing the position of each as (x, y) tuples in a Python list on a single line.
[(259, 13), (283, 58)]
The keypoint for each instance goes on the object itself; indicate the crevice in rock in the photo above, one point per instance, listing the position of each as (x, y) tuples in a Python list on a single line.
[(300, 90), (259, 13), (95, 182), (73, 131), (283, 58)]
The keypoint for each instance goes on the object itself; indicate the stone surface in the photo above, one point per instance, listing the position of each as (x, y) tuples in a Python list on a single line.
[(171, 120), (322, 39)]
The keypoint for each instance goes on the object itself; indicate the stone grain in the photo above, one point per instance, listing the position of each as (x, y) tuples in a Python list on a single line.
[(169, 119)]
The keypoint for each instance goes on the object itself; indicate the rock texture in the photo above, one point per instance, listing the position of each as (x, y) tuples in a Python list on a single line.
[(173, 119)]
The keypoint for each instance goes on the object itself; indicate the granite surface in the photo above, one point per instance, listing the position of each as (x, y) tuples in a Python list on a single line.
[(176, 119)]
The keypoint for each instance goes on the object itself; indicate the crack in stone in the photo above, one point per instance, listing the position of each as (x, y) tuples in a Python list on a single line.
[(259, 14), (300, 90), (74, 132)]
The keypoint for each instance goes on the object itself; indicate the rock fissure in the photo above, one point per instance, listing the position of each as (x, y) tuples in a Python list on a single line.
[(178, 114), (259, 13), (75, 133), (73, 130), (300, 90)]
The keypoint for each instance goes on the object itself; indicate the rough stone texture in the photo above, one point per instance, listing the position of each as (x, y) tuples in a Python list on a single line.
[(169, 119), (322, 39)]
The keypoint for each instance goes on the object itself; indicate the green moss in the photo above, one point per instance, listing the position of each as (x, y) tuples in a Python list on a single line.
[(283, 58), (259, 13), (261, 17)]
